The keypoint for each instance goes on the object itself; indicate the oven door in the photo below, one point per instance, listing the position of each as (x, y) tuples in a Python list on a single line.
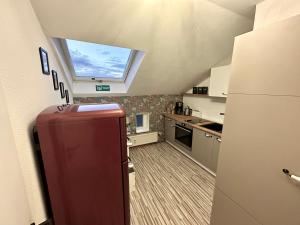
[(184, 136)]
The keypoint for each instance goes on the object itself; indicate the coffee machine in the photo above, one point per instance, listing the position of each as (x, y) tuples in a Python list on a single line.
[(179, 108)]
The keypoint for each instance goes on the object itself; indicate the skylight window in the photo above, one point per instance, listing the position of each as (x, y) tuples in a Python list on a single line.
[(100, 62)]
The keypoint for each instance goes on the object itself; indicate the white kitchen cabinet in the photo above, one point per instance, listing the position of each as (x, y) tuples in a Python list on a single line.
[(266, 61), (229, 213), (202, 146), (219, 81), (215, 153), (261, 137), (170, 130), (261, 132), (205, 149)]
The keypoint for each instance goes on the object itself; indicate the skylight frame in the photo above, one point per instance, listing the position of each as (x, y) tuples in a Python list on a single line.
[(91, 78)]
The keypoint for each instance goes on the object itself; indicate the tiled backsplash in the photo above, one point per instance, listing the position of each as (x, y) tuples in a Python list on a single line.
[(154, 104)]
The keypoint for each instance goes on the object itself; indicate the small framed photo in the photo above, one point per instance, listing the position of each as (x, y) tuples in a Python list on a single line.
[(44, 61), (55, 80), (67, 96), (62, 89)]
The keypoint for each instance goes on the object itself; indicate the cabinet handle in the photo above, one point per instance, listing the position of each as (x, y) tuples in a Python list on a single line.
[(208, 135), (182, 128), (292, 176), (219, 139)]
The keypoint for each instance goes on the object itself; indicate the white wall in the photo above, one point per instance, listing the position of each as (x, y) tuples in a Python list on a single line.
[(14, 208), (271, 11), (88, 89), (26, 90), (209, 107)]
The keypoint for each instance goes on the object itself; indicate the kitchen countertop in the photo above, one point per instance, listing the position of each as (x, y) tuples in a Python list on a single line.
[(185, 119)]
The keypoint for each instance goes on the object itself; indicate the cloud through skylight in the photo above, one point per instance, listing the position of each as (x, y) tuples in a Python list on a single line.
[(97, 60)]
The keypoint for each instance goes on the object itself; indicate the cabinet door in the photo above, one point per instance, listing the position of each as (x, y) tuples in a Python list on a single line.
[(219, 81), (266, 61), (227, 212), (260, 138), (202, 146), (169, 130), (215, 154)]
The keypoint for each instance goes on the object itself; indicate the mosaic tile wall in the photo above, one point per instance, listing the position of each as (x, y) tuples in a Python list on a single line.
[(155, 105)]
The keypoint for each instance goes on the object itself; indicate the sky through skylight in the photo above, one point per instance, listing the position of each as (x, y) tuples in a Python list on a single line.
[(96, 60)]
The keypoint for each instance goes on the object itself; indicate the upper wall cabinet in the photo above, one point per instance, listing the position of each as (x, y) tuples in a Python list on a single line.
[(219, 81), (267, 61)]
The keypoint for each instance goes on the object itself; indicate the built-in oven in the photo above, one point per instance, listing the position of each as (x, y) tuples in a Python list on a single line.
[(184, 135)]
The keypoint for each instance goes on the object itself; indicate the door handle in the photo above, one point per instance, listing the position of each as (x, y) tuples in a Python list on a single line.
[(292, 176), (219, 139), (224, 94)]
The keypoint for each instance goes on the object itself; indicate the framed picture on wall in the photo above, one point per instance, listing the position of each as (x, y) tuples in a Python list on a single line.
[(44, 61), (67, 96), (55, 80), (62, 89)]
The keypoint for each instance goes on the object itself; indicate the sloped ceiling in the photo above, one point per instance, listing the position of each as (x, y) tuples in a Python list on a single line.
[(242, 7), (182, 39)]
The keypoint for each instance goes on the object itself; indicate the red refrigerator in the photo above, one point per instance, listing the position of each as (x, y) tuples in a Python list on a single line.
[(85, 161)]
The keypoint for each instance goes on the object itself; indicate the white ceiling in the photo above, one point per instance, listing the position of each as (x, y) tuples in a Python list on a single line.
[(182, 39), (242, 7)]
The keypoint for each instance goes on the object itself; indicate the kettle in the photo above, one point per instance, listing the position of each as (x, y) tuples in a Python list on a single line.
[(188, 111)]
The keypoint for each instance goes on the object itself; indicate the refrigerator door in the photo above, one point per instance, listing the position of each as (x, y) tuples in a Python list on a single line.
[(123, 133), (83, 167)]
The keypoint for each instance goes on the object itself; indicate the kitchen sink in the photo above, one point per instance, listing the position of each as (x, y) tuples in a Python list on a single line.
[(196, 121), (214, 126)]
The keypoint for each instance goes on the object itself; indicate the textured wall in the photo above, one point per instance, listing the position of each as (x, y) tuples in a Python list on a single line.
[(154, 104)]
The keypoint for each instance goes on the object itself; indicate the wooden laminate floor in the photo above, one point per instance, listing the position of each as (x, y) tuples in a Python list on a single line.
[(170, 188)]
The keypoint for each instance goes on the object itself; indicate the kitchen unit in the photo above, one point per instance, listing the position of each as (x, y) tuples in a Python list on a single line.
[(170, 129), (184, 135), (261, 134), (200, 138), (219, 81), (86, 165), (206, 149)]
